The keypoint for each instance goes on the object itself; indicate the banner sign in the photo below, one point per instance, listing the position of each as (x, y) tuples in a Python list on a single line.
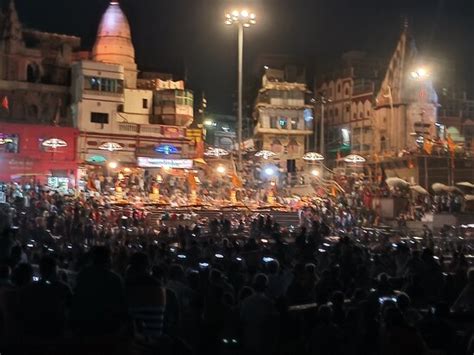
[(145, 162)]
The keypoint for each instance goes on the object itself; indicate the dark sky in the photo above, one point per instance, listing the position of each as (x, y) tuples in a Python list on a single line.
[(170, 35)]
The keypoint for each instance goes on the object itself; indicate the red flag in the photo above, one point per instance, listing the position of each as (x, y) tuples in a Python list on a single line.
[(5, 103)]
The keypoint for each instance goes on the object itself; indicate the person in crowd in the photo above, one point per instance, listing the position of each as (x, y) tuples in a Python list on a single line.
[(99, 304)]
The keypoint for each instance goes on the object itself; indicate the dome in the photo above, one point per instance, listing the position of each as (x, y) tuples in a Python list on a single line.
[(114, 41)]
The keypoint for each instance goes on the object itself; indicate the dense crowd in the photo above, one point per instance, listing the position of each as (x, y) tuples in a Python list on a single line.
[(78, 277)]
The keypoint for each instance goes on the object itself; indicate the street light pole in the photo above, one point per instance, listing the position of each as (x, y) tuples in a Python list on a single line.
[(321, 138), (239, 88), (243, 19)]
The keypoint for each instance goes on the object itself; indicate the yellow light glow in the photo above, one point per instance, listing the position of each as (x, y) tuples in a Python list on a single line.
[(221, 169), (244, 13), (113, 165), (315, 172)]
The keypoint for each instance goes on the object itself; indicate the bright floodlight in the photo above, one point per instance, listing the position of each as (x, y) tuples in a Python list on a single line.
[(265, 154), (354, 159), (221, 169), (242, 17), (54, 143), (311, 156), (315, 172), (419, 73), (215, 152), (110, 146), (113, 165), (208, 123), (269, 171)]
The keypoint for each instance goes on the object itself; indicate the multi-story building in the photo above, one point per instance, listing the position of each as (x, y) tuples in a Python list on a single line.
[(284, 119), (34, 88), (348, 112), (129, 119)]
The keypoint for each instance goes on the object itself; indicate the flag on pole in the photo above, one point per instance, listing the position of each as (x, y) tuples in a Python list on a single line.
[(451, 144), (428, 146), (5, 104)]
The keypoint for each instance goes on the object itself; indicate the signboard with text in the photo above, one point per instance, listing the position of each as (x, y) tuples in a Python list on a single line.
[(145, 162)]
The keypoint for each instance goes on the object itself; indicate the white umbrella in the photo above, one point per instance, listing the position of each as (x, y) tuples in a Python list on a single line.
[(215, 152), (265, 154), (419, 189), (54, 143), (312, 156), (438, 187), (395, 181), (465, 184), (110, 146), (354, 159)]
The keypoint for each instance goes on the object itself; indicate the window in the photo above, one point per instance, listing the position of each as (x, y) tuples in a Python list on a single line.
[(9, 143), (145, 103), (338, 88), (294, 123), (336, 112), (348, 108), (361, 115), (346, 92), (99, 117), (282, 123), (103, 84), (273, 122)]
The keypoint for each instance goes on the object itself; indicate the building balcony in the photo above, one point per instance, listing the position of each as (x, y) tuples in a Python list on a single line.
[(286, 132)]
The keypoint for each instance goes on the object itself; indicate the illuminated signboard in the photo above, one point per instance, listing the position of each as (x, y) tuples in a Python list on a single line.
[(166, 149), (145, 162)]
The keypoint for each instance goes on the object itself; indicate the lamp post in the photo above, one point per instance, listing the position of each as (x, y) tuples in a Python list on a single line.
[(243, 19)]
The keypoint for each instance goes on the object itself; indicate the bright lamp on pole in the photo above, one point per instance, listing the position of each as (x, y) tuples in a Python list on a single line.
[(242, 18), (420, 73)]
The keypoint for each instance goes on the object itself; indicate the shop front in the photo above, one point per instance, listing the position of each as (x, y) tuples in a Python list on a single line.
[(38, 154)]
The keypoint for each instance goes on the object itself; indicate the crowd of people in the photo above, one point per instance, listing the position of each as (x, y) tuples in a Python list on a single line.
[(79, 277)]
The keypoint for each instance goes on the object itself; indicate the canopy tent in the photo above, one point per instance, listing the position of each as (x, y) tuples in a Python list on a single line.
[(419, 189), (438, 187)]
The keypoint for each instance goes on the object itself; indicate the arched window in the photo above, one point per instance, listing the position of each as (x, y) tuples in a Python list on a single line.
[(33, 111), (32, 73)]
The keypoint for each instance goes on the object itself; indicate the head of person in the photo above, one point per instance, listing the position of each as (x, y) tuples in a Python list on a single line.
[(48, 268), (5, 272), (245, 292), (403, 301), (393, 318), (22, 275), (260, 283), (100, 256), (273, 267), (470, 276), (139, 263)]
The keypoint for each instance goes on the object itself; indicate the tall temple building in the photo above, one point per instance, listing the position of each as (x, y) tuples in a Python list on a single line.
[(284, 119), (406, 104), (129, 118)]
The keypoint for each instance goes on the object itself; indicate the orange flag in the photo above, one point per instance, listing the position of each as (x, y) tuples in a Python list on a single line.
[(451, 144), (192, 182), (5, 103), (428, 146), (236, 181)]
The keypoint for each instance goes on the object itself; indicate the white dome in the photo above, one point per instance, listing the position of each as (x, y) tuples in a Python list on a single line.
[(114, 41)]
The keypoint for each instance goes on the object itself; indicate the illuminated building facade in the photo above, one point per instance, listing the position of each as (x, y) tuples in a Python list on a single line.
[(34, 89), (284, 119), (147, 115)]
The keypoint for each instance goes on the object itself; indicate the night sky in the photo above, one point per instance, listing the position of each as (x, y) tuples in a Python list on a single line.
[(188, 36)]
